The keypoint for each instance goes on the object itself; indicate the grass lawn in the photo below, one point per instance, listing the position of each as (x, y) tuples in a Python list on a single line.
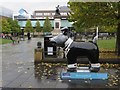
[(102, 44), (4, 41), (107, 44)]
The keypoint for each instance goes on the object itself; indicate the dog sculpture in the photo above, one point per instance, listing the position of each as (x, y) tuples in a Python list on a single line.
[(74, 49)]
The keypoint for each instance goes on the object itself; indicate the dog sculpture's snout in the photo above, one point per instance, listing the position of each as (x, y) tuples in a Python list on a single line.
[(51, 39)]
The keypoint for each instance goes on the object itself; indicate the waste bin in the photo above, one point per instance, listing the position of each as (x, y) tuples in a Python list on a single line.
[(49, 49), (38, 53)]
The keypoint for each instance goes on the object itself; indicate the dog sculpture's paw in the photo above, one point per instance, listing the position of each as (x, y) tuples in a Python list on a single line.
[(72, 67), (95, 67)]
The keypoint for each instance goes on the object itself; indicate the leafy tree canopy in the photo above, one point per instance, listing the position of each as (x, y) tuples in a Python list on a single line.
[(92, 14), (47, 27), (28, 26), (105, 15), (5, 26), (15, 28), (38, 28)]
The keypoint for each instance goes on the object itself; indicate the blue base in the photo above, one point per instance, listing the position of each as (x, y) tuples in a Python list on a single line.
[(83, 75)]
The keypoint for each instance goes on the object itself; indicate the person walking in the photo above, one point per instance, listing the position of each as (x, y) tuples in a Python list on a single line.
[(28, 35)]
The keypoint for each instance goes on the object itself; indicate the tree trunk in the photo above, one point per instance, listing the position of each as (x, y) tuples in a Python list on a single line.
[(118, 40), (33, 34), (38, 34), (118, 32)]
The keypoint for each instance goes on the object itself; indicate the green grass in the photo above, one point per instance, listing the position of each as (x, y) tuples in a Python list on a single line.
[(102, 44), (5, 41), (107, 44)]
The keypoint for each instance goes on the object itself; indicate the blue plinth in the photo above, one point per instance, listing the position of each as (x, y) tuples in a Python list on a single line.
[(83, 75)]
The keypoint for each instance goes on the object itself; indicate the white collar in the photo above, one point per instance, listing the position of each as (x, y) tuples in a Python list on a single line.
[(68, 43)]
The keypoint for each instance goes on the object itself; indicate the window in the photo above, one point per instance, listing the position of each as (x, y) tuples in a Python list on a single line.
[(38, 14), (57, 25), (64, 14), (46, 14), (53, 13)]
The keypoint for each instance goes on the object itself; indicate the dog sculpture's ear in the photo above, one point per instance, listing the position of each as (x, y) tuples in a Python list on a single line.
[(65, 30)]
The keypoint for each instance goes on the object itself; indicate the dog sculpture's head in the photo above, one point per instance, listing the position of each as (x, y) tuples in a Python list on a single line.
[(60, 39)]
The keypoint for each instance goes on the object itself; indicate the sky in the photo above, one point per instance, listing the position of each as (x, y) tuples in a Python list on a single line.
[(32, 5)]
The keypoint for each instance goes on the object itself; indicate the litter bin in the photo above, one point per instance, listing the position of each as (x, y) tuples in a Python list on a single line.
[(38, 53), (49, 49)]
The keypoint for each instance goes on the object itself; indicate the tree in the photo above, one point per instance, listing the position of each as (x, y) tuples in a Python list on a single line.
[(0, 25), (109, 29), (10, 21), (38, 28), (91, 14), (28, 26), (47, 27), (96, 14), (5, 26), (29, 29), (118, 31), (15, 28)]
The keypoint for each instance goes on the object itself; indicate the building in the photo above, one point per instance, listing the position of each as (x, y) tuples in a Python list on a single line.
[(5, 12), (22, 14), (41, 15)]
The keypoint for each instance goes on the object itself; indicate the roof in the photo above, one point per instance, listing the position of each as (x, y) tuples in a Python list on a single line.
[(61, 8), (21, 11), (64, 8)]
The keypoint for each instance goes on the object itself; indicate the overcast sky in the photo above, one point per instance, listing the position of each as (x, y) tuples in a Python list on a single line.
[(31, 5)]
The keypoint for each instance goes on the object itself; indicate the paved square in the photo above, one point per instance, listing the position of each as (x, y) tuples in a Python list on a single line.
[(19, 70)]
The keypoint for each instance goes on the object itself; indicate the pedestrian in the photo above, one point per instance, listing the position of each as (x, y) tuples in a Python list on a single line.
[(28, 35), (3, 35)]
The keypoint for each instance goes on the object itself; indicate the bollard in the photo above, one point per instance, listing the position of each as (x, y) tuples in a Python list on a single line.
[(38, 53)]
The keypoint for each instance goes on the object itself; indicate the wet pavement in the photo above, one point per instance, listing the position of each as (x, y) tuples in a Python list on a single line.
[(19, 70)]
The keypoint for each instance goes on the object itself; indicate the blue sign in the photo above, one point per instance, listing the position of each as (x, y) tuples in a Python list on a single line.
[(83, 75)]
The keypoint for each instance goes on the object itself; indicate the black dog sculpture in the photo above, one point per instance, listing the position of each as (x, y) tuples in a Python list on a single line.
[(74, 49)]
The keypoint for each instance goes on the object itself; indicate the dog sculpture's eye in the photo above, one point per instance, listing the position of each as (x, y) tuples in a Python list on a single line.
[(64, 33)]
